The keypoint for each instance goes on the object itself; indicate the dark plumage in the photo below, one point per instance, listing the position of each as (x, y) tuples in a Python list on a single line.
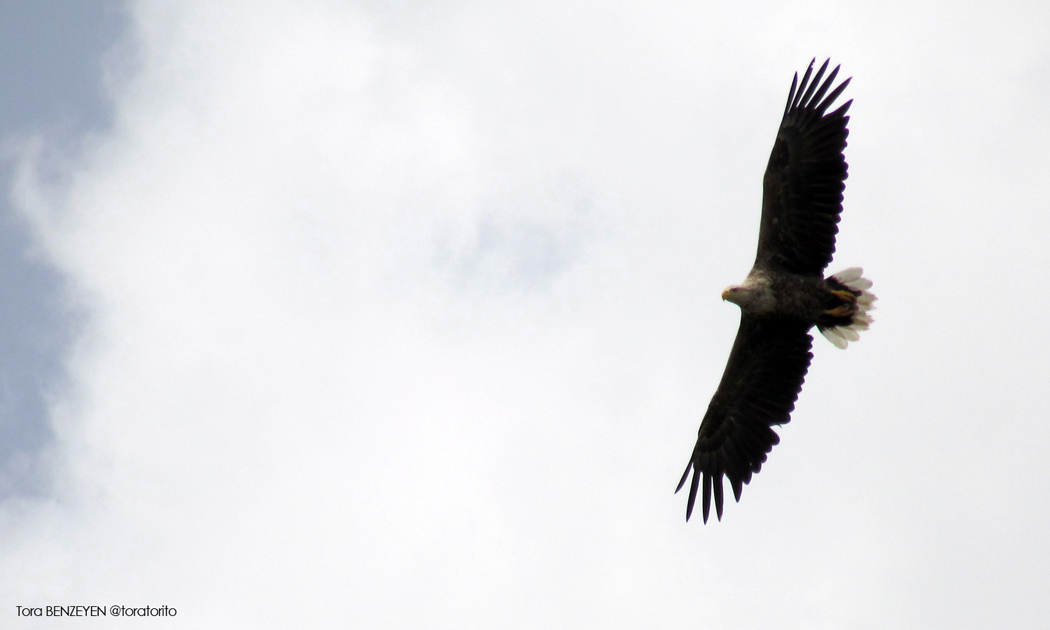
[(784, 295)]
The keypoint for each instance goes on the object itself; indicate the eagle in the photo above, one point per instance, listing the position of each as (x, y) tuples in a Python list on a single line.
[(784, 295)]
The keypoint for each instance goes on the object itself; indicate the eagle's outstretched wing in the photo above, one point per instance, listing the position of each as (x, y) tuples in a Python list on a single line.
[(804, 180), (762, 380)]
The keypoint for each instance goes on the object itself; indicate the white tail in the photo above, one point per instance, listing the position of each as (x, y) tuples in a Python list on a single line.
[(842, 335)]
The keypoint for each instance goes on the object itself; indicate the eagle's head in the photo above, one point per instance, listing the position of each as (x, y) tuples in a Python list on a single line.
[(736, 294), (754, 296)]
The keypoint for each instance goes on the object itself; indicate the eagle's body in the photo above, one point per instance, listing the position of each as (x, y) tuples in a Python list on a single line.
[(784, 295)]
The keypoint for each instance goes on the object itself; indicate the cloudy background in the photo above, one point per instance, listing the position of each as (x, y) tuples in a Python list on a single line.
[(404, 314)]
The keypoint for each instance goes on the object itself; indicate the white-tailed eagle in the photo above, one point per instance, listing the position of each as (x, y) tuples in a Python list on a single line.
[(784, 295)]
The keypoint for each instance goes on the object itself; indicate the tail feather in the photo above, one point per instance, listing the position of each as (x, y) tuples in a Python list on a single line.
[(862, 319)]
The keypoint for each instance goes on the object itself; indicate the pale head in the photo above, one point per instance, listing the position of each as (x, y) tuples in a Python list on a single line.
[(754, 296), (735, 293)]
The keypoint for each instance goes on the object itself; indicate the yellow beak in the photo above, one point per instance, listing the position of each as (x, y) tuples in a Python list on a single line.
[(725, 295)]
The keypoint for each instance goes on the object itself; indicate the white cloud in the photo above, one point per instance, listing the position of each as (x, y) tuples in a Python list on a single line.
[(406, 317)]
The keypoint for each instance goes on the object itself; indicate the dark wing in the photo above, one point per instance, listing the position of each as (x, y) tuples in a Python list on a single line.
[(766, 369), (802, 188)]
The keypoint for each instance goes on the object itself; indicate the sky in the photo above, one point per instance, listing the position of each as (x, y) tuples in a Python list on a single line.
[(49, 58), (404, 314)]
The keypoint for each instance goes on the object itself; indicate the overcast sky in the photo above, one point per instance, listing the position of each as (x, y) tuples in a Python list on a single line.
[(363, 314)]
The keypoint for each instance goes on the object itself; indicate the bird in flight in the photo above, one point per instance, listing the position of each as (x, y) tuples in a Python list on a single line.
[(784, 295)]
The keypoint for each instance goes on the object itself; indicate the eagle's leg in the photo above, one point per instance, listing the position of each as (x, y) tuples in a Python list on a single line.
[(848, 306), (846, 295), (839, 311)]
